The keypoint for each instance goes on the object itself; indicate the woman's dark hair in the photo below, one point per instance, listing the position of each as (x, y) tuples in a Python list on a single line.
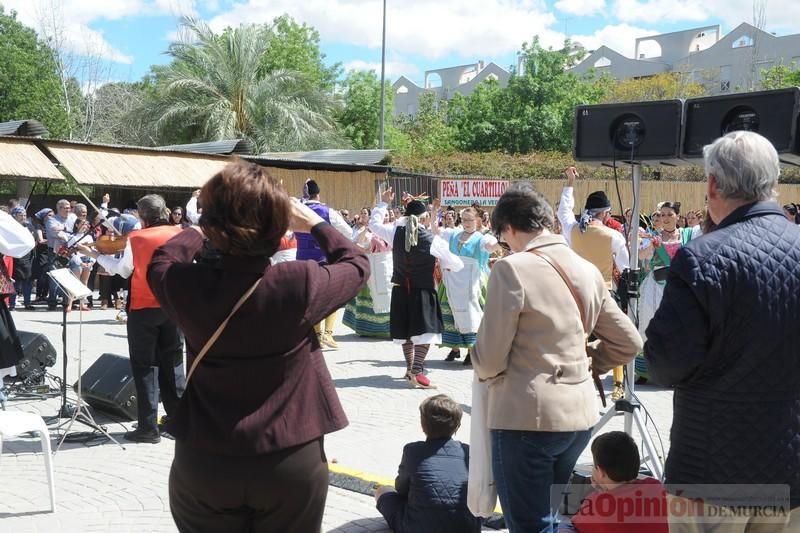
[(791, 209), (245, 210), (440, 416), (675, 206), (617, 454), (523, 208)]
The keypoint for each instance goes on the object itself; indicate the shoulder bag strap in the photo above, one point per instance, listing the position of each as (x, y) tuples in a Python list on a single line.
[(579, 302), (575, 294), (210, 342)]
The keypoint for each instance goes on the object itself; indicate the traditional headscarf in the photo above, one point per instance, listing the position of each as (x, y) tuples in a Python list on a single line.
[(596, 203), (41, 214), (18, 210), (413, 210)]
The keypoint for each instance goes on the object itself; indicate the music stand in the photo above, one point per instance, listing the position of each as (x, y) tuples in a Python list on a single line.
[(73, 289)]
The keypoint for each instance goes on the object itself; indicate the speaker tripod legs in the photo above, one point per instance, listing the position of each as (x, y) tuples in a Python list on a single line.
[(82, 415), (630, 410)]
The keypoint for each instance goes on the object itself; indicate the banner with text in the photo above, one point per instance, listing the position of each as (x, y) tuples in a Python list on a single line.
[(465, 192)]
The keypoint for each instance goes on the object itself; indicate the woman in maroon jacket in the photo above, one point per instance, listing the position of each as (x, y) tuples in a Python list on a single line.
[(249, 430)]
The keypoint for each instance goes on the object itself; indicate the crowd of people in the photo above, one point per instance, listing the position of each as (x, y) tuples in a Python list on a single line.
[(252, 279)]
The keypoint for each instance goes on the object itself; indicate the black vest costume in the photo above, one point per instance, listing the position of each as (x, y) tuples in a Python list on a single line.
[(413, 269)]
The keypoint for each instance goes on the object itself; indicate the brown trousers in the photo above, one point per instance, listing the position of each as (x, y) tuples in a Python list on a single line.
[(283, 492)]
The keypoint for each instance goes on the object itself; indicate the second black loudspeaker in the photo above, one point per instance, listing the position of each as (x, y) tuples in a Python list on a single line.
[(772, 114), (108, 386), (648, 131)]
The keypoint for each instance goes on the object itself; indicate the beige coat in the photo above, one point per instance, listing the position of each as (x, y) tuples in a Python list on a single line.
[(531, 343)]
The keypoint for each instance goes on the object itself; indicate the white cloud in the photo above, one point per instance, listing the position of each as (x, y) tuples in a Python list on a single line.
[(782, 15), (654, 11), (619, 37), (581, 7), (394, 69), (469, 28), (71, 20)]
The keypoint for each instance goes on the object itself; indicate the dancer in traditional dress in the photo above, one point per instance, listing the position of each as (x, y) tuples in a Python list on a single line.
[(15, 241), (368, 313), (463, 294), (308, 248), (415, 316), (658, 253)]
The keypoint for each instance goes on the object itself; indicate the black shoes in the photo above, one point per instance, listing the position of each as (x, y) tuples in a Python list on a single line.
[(467, 360), (140, 435), (454, 354)]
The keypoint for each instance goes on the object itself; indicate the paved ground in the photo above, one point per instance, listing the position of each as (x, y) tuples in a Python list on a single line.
[(101, 487)]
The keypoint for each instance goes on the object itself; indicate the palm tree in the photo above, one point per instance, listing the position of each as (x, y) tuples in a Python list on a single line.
[(215, 84)]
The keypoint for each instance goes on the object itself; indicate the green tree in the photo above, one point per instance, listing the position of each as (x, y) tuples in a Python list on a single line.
[(534, 112), (539, 105), (295, 47), (662, 86), (780, 76), (215, 88), (29, 84), (117, 117), (475, 120), (360, 115), (428, 132)]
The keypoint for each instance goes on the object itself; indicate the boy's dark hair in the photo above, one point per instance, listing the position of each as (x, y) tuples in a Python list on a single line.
[(440, 415), (617, 454)]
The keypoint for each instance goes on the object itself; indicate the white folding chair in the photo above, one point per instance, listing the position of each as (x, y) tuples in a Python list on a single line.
[(14, 423)]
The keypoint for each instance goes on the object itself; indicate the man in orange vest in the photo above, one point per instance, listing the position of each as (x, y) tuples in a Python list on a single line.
[(154, 343)]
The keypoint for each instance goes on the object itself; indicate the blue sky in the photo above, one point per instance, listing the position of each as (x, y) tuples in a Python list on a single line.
[(131, 35)]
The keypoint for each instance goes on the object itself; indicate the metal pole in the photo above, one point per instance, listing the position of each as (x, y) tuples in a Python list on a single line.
[(383, 78), (633, 304)]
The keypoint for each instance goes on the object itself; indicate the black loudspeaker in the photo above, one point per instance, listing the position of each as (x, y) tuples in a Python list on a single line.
[(772, 114), (108, 386), (37, 355), (648, 131)]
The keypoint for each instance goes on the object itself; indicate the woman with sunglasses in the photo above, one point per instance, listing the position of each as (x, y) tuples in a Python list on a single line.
[(176, 218), (656, 255)]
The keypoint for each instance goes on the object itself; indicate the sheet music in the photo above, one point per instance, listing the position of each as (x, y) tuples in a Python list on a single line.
[(69, 283)]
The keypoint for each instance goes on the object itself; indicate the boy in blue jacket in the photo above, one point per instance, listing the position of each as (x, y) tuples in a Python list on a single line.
[(431, 487)]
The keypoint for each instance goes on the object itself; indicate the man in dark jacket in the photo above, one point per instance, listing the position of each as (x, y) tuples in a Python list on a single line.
[(726, 336)]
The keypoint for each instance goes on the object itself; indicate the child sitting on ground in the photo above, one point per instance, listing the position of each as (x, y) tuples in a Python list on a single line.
[(622, 502), (431, 484)]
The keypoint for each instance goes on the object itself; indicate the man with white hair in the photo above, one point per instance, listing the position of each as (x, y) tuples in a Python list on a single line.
[(726, 337), (155, 345)]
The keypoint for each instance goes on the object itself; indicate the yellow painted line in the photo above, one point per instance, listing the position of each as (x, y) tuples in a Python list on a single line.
[(361, 475), (374, 479)]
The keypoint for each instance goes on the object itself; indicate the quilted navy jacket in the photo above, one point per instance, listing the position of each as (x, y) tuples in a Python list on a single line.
[(727, 337), (433, 476)]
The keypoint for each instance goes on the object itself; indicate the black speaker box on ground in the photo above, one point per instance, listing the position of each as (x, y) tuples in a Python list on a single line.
[(609, 132), (772, 114), (108, 386), (37, 354)]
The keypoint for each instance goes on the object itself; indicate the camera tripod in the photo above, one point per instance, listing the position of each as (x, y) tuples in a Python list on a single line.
[(628, 406)]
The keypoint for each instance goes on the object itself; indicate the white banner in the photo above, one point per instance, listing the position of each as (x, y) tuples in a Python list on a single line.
[(466, 192)]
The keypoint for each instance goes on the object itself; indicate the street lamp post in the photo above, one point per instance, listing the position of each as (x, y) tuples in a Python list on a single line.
[(383, 77)]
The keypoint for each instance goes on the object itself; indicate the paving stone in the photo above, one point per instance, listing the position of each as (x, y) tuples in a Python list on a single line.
[(105, 488)]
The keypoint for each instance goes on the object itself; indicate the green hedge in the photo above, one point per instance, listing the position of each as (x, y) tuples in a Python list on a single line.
[(540, 165)]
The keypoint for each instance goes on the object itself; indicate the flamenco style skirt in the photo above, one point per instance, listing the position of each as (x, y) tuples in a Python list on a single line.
[(360, 316)]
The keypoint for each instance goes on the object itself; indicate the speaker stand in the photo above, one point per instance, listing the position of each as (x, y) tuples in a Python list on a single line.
[(629, 407)]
